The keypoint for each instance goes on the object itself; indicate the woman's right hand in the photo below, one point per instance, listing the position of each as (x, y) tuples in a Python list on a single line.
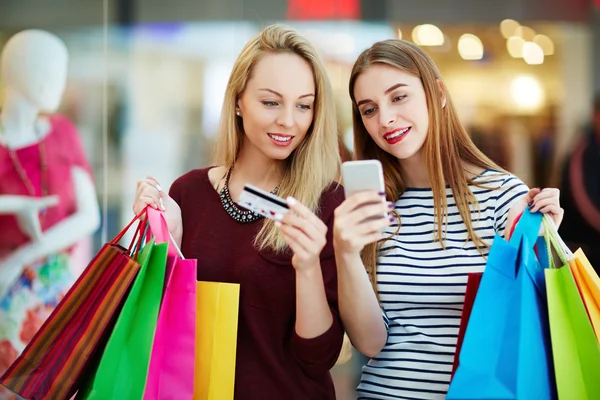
[(359, 220), (150, 193)]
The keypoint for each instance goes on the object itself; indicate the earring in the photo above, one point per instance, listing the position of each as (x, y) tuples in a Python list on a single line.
[(237, 112)]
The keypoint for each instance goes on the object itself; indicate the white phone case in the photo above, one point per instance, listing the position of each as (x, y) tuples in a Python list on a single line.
[(362, 175)]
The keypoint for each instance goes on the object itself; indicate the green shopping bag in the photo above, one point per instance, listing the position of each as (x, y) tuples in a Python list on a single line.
[(575, 350), (123, 367)]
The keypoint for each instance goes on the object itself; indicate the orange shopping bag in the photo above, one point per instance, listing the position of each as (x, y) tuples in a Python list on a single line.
[(588, 283)]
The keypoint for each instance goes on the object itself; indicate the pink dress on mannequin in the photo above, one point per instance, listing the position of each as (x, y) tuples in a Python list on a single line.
[(42, 284)]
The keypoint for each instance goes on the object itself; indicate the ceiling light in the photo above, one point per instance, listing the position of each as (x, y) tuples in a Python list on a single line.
[(470, 47)]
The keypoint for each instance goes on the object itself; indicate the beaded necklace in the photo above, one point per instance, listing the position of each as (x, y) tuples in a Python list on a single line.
[(240, 215)]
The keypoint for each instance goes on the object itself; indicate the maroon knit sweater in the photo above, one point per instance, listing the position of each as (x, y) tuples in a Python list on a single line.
[(272, 362)]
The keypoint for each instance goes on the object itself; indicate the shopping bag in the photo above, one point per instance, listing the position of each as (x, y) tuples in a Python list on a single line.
[(506, 349), (171, 371), (123, 367), (53, 362), (473, 281), (575, 347), (588, 284), (216, 340)]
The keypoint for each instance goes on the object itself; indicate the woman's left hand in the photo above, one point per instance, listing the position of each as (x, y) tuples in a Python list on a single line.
[(546, 201), (304, 232)]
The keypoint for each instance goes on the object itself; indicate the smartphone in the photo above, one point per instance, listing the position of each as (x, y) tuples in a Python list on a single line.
[(362, 175), (262, 202)]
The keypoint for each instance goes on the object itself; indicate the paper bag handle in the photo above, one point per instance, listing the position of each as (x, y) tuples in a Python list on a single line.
[(160, 230)]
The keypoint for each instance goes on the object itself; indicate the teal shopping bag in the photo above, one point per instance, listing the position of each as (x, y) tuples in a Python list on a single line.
[(506, 353), (123, 366)]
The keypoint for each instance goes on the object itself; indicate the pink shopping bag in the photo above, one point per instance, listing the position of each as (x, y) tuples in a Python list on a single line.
[(171, 371)]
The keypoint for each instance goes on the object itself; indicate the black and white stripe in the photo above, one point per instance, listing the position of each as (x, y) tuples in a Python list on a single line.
[(422, 288)]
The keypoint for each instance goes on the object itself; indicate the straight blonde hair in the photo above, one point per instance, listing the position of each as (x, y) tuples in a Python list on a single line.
[(314, 165), (446, 150)]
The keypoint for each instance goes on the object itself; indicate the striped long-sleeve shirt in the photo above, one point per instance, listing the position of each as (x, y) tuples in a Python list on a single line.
[(422, 288)]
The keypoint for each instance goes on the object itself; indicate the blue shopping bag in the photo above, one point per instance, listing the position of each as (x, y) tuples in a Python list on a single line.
[(506, 353)]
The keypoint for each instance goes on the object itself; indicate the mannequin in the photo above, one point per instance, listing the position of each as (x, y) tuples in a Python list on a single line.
[(48, 201)]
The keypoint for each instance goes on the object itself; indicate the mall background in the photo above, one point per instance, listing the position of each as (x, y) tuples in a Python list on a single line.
[(151, 75)]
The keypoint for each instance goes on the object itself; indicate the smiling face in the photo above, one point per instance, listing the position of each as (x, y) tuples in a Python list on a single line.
[(393, 109), (277, 105)]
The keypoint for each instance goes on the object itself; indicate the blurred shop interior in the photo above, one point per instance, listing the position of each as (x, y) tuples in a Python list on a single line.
[(146, 79)]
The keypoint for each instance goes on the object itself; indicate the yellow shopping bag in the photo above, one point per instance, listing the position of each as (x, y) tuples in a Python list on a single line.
[(216, 340), (588, 283)]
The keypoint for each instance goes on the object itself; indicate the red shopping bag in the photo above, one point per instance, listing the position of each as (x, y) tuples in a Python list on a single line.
[(57, 356), (473, 281)]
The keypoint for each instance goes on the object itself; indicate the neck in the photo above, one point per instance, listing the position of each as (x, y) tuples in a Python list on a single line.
[(18, 119), (414, 172), (255, 168)]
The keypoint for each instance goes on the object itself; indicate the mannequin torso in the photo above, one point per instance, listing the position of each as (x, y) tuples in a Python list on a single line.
[(48, 200), (34, 70)]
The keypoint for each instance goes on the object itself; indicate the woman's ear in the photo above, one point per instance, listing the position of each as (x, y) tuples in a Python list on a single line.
[(442, 92)]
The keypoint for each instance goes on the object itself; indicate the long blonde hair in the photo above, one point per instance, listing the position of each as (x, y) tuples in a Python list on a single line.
[(446, 150), (314, 164)]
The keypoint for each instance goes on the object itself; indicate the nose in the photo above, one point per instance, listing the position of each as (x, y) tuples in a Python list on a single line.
[(387, 116), (285, 118)]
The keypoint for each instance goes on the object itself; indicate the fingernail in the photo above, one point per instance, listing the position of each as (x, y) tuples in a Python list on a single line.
[(278, 217), (382, 193), (291, 201), (530, 203), (277, 224), (390, 205), (158, 187), (392, 219), (162, 204)]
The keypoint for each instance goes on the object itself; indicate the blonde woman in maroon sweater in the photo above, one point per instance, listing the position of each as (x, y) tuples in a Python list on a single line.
[(278, 132)]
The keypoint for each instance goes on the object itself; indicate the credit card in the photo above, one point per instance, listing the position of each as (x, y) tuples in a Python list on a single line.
[(262, 202)]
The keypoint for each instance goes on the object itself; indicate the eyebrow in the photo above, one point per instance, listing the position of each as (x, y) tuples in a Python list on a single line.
[(392, 88), (279, 94)]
